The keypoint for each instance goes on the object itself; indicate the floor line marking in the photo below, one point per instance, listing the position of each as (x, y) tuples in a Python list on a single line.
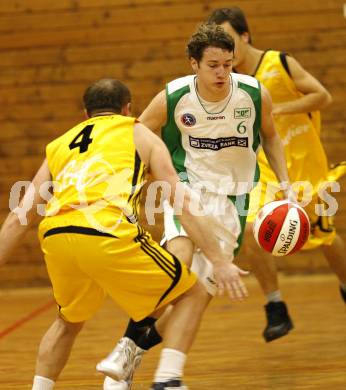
[(9, 329)]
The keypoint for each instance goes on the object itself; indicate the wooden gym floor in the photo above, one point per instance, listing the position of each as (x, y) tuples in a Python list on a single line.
[(229, 352)]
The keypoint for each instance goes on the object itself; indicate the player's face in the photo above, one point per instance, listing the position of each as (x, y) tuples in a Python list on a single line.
[(213, 70), (240, 41)]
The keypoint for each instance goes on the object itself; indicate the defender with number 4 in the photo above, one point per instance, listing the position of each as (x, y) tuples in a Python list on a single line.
[(92, 243)]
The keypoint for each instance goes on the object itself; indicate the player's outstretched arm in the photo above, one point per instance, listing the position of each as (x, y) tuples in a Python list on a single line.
[(314, 95), (17, 224), (155, 155)]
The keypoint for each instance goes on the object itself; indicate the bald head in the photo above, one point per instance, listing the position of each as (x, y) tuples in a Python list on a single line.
[(108, 95)]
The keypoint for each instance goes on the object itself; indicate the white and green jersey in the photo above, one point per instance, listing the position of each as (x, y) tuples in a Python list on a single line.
[(215, 149)]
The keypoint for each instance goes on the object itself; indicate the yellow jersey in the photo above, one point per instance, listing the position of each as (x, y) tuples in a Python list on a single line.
[(300, 133), (97, 176), (305, 156)]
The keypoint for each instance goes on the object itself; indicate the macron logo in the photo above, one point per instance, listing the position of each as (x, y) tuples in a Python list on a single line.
[(214, 118)]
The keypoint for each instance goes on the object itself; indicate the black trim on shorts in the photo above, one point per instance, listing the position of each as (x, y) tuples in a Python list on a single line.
[(78, 230), (162, 262), (169, 270), (178, 272), (167, 264)]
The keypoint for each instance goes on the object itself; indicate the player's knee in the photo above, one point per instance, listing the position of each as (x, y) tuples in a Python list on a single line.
[(248, 231), (68, 328), (338, 239), (198, 293), (249, 244), (182, 248), (335, 244)]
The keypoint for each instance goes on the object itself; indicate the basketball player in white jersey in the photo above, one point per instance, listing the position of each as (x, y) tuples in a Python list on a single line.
[(212, 123)]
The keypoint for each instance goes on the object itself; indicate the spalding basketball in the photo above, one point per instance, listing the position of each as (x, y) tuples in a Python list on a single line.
[(281, 227)]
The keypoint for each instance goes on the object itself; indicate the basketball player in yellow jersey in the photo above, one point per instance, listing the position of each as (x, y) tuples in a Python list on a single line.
[(93, 245), (297, 96)]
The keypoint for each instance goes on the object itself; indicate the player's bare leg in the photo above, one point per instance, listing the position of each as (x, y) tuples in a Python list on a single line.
[(336, 257), (186, 314), (263, 265), (54, 350), (140, 337), (182, 248)]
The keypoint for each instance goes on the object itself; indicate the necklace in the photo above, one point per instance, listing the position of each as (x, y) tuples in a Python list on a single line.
[(203, 106)]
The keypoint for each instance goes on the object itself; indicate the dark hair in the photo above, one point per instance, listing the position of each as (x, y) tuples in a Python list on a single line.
[(106, 95), (234, 16), (208, 34)]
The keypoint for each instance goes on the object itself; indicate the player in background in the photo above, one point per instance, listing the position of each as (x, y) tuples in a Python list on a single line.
[(297, 98)]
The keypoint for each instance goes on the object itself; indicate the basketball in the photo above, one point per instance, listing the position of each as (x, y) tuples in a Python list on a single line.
[(281, 227)]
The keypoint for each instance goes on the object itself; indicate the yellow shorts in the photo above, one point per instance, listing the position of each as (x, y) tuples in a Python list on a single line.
[(322, 228), (86, 265)]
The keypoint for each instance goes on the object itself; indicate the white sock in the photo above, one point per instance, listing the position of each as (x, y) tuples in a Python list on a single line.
[(42, 383), (274, 296), (171, 365)]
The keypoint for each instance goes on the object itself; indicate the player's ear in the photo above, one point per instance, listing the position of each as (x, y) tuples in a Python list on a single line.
[(86, 114), (126, 110), (245, 37), (194, 64)]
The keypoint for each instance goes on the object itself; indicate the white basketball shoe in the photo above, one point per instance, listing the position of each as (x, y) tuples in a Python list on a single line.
[(121, 364), (111, 384)]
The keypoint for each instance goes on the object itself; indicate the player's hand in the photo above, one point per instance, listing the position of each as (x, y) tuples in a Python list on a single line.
[(290, 192), (228, 279)]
